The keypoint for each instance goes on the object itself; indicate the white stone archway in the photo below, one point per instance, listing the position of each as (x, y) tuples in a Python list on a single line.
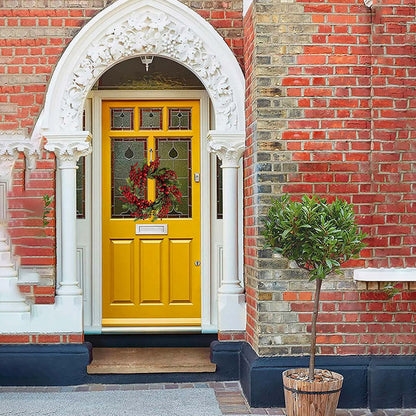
[(131, 28), (127, 29)]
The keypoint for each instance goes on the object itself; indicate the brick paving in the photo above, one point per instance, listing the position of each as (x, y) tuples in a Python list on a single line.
[(229, 396)]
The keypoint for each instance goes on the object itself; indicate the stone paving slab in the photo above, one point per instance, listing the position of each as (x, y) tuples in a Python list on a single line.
[(225, 398), (152, 402)]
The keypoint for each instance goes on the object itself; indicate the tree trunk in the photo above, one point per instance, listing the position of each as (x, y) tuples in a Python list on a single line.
[(313, 329)]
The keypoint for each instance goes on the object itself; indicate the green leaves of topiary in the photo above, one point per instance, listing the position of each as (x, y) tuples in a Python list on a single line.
[(319, 236)]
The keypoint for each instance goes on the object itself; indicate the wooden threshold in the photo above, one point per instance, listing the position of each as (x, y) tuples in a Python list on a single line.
[(150, 360)]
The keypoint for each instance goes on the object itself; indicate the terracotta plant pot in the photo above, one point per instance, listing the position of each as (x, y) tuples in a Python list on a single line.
[(316, 398)]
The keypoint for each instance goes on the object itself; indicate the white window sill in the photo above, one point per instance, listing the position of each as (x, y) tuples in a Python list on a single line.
[(385, 275)]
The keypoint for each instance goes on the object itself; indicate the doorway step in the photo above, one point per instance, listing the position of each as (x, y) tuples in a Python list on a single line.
[(150, 361)]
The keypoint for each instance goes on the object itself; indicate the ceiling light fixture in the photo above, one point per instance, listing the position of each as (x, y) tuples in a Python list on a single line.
[(147, 60)]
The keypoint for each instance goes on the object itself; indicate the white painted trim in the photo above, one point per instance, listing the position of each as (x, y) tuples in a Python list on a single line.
[(208, 298), (151, 330), (64, 316), (385, 275), (3, 202), (84, 226)]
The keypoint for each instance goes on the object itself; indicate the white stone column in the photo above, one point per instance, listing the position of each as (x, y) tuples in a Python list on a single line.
[(68, 148), (229, 147)]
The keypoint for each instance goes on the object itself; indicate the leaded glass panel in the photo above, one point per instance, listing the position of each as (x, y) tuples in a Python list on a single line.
[(219, 189), (125, 152), (151, 118), (175, 154), (122, 118), (180, 119), (80, 185)]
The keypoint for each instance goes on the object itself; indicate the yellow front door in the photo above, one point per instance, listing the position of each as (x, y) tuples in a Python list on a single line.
[(151, 270)]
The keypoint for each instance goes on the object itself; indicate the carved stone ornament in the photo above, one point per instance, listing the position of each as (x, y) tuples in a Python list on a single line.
[(229, 151), (68, 149), (148, 34)]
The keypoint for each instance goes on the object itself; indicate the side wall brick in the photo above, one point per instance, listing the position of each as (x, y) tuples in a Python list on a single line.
[(334, 116)]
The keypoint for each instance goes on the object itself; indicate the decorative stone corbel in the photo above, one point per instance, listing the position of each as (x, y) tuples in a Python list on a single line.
[(11, 144)]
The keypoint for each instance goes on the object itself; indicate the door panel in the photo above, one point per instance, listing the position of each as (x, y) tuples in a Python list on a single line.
[(122, 281), (151, 271), (151, 279), (180, 271)]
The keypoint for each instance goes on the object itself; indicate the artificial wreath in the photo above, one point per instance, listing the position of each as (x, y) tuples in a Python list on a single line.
[(133, 194)]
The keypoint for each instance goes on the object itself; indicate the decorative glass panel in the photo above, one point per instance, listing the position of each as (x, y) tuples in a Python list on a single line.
[(180, 119), (81, 188), (125, 152), (175, 154), (151, 119), (219, 189), (122, 118), (80, 181)]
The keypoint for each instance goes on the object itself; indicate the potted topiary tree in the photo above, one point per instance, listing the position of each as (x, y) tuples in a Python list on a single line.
[(319, 236)]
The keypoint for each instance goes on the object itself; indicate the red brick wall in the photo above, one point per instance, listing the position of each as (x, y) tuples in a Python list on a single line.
[(32, 242), (42, 339), (34, 39), (356, 137), (360, 322), (332, 112)]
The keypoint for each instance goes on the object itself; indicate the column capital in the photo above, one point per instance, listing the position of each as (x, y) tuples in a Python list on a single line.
[(68, 148), (228, 146)]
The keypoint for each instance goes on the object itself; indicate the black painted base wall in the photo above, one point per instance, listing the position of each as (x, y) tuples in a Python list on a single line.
[(66, 364), (44, 365), (150, 340), (377, 382)]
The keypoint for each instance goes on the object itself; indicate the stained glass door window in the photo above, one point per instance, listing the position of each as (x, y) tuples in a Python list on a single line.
[(122, 118), (175, 154), (80, 184), (151, 118), (125, 153), (180, 119)]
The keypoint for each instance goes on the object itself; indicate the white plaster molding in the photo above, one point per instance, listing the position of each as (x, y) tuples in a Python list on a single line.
[(385, 275), (68, 148), (64, 316), (246, 6), (11, 300), (229, 147), (11, 144), (232, 312), (147, 34), (130, 28)]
